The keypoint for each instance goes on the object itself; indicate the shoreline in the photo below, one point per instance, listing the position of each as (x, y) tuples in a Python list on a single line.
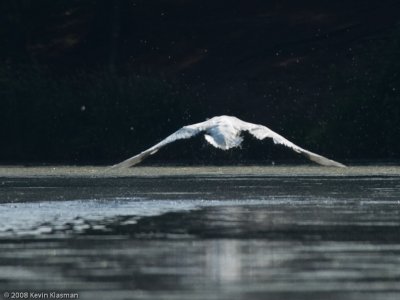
[(223, 171)]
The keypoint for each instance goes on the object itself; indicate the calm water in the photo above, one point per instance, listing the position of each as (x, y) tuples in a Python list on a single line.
[(202, 233)]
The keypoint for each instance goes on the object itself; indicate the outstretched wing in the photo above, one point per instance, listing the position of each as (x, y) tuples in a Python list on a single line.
[(183, 133), (261, 132)]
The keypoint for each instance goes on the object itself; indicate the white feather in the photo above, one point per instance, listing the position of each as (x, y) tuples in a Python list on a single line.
[(224, 132)]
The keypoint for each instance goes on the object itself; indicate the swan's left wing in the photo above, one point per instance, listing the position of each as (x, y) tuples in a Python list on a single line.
[(261, 132), (183, 133)]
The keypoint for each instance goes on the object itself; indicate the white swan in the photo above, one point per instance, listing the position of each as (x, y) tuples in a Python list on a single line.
[(223, 132)]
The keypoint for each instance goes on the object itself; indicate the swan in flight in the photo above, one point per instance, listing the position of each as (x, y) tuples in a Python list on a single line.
[(223, 132)]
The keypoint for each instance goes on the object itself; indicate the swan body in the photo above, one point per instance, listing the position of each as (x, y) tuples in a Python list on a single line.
[(224, 132)]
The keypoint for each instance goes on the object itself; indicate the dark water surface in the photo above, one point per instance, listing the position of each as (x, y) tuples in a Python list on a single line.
[(202, 233)]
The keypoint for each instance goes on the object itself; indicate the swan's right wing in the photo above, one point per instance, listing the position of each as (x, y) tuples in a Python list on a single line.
[(183, 133), (261, 132)]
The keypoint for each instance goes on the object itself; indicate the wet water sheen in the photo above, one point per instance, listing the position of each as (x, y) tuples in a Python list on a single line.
[(202, 233)]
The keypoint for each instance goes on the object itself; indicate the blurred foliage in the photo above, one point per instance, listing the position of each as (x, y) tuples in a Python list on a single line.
[(85, 116), (366, 115), (98, 81)]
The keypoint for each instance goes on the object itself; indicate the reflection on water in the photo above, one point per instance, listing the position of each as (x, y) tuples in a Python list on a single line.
[(202, 237), (94, 215)]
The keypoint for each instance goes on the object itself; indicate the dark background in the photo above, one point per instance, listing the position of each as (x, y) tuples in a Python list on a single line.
[(98, 81)]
